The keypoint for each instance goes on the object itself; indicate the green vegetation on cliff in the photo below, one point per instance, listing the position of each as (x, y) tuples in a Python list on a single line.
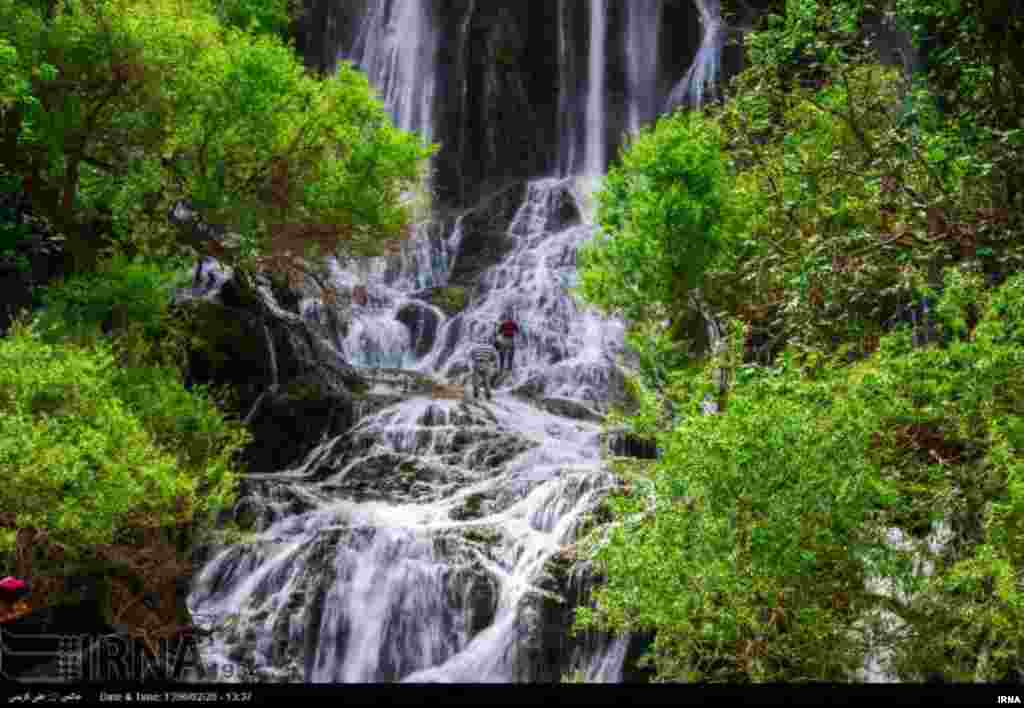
[(867, 233), (111, 113), (114, 110)]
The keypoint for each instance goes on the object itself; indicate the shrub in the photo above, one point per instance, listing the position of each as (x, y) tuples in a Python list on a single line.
[(748, 548), (89, 450), (123, 291), (662, 214)]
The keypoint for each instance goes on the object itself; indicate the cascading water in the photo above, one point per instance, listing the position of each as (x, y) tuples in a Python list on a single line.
[(594, 160), (414, 546), (420, 544), (396, 46), (643, 30), (567, 89), (703, 75)]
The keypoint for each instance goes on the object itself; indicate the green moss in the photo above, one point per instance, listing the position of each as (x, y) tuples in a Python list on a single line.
[(452, 299), (506, 56), (482, 534), (304, 389)]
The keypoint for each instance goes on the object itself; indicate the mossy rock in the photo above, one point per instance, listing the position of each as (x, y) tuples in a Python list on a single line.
[(481, 534), (451, 300), (470, 509), (306, 389)]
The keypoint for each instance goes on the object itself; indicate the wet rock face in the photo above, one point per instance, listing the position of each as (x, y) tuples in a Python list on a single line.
[(252, 343), (626, 444), (511, 78), (287, 426), (548, 650), (324, 26), (498, 86), (422, 322), (485, 239)]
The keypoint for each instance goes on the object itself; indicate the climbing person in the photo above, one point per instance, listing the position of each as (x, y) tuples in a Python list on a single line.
[(505, 341), (482, 358)]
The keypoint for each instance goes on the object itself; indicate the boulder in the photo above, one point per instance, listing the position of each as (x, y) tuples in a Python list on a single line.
[(291, 387), (485, 239), (422, 322)]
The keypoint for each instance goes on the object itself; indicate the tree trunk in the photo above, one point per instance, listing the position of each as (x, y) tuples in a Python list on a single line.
[(81, 246)]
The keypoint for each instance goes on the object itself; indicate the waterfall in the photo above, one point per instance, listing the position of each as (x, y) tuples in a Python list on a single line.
[(419, 545), (703, 74), (594, 161), (643, 29), (397, 46), (567, 90), (427, 542)]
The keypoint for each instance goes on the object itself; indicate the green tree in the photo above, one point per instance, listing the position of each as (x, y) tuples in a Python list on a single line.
[(748, 546), (155, 101), (663, 218), (91, 450)]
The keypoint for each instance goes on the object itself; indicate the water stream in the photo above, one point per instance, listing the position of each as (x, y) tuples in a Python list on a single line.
[(393, 541), (424, 543)]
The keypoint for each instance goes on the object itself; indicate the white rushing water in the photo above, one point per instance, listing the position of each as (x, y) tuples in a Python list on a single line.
[(643, 36), (408, 577), (397, 48), (596, 138), (702, 78), (418, 546)]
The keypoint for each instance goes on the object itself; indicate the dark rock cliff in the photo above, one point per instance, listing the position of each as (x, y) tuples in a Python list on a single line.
[(511, 81), (289, 391)]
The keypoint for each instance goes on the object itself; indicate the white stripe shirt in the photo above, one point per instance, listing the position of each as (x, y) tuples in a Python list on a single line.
[(483, 355)]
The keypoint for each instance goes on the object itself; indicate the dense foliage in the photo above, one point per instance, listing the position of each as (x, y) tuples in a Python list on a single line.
[(661, 213), (748, 546), (116, 109), (90, 449), (112, 113), (875, 420), (130, 291)]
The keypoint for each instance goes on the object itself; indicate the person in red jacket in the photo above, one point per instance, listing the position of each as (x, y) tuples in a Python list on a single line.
[(505, 342)]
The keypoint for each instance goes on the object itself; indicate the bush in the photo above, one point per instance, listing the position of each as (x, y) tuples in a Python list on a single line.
[(88, 450), (663, 217), (123, 291), (748, 548)]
